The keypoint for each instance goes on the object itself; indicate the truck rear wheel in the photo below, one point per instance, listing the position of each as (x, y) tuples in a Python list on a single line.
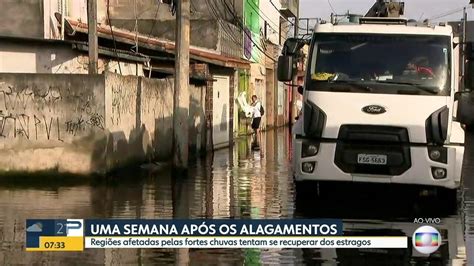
[(448, 198)]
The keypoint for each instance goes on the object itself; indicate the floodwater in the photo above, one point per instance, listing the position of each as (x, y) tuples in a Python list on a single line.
[(234, 183)]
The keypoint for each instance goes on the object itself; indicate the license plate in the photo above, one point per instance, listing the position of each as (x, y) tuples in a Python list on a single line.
[(376, 159)]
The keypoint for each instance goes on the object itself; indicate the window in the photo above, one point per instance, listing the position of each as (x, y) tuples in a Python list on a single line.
[(371, 63)]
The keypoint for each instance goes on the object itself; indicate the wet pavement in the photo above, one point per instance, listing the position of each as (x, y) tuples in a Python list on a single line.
[(241, 184)]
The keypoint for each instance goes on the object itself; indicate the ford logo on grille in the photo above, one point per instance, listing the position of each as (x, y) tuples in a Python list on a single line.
[(374, 109)]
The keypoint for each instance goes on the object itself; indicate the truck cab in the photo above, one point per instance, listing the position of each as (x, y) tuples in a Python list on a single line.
[(382, 102)]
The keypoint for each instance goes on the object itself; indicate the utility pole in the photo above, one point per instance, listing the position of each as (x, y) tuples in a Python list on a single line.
[(93, 43), (294, 91), (464, 46), (181, 87), (63, 13)]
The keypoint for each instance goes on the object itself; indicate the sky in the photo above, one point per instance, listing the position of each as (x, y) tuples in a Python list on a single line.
[(415, 9)]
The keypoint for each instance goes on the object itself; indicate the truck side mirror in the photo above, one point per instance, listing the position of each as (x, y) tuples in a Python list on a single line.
[(469, 77), (465, 114), (285, 68)]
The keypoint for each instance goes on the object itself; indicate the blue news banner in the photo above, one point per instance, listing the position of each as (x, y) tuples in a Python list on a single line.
[(103, 233)]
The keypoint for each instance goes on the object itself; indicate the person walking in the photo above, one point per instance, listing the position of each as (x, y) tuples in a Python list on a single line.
[(256, 119)]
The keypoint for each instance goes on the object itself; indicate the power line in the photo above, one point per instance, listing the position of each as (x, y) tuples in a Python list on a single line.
[(252, 5), (217, 16), (242, 27), (282, 16), (332, 8), (214, 12), (258, 47), (112, 32), (146, 9), (154, 20), (246, 31), (445, 14), (239, 24), (421, 16), (136, 26)]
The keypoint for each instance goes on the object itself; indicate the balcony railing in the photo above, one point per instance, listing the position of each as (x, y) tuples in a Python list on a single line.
[(230, 41)]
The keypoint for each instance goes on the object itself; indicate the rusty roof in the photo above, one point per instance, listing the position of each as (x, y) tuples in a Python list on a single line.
[(196, 53)]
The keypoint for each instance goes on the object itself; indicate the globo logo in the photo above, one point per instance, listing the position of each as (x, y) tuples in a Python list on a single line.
[(426, 239)]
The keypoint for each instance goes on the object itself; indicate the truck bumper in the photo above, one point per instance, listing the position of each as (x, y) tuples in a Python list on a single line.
[(419, 173)]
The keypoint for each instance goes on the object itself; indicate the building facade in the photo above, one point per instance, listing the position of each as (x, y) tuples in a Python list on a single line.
[(234, 47)]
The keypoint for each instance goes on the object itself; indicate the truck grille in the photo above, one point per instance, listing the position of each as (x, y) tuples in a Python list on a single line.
[(392, 142)]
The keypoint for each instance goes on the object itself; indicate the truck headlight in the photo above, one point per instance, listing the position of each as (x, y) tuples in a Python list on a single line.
[(438, 154), (309, 149), (435, 155), (308, 167), (438, 173)]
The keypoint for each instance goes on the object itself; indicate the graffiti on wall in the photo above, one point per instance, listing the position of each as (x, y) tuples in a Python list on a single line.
[(155, 98), (35, 112), (123, 102)]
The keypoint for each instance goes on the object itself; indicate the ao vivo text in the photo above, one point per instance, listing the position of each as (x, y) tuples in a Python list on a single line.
[(427, 221)]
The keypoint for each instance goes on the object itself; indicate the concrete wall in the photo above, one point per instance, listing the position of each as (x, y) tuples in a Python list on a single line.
[(147, 9), (78, 9), (210, 18), (54, 58), (37, 57), (85, 124), (139, 116), (22, 18), (51, 122), (166, 29), (271, 85), (272, 18)]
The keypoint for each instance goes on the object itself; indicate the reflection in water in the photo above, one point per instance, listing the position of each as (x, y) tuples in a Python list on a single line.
[(468, 200), (233, 183)]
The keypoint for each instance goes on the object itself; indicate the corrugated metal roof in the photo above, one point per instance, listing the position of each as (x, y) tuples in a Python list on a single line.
[(196, 53)]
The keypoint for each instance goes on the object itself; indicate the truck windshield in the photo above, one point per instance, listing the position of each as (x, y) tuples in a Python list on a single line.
[(376, 63)]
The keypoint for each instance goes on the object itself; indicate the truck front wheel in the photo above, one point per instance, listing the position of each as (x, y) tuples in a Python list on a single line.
[(306, 192)]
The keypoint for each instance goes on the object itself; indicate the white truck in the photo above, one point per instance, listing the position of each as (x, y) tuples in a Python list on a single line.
[(382, 102)]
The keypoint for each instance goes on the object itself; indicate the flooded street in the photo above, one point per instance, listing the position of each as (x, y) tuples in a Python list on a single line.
[(238, 184)]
